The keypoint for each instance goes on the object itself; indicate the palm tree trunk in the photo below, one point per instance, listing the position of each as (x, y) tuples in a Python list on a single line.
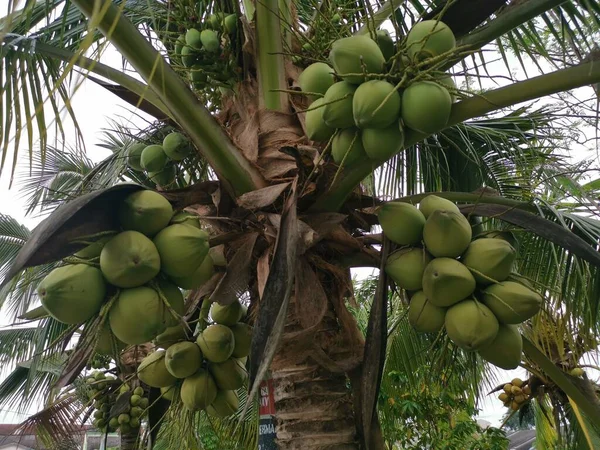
[(130, 440)]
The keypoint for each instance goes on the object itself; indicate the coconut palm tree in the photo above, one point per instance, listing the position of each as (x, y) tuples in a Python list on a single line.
[(294, 218)]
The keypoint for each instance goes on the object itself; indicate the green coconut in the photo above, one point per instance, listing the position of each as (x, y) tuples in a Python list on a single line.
[(337, 112), (226, 404), (183, 359), (401, 222), (129, 259), (429, 38), (489, 259), (229, 374), (227, 314), (198, 391), (165, 177), (186, 218), (176, 146), (506, 235), (406, 267), (355, 55), (433, 203), (104, 345), (145, 211), (316, 128), (171, 335), (188, 56), (202, 274), (347, 147), (137, 316), (210, 41), (153, 158), (93, 250), (512, 302), (446, 281), (168, 393), (175, 299), (179, 44), (230, 23), (381, 144), (386, 44), (506, 349), (376, 104), (446, 234), (192, 38), (448, 82), (316, 78), (73, 293), (153, 370), (216, 343), (426, 107), (423, 315), (134, 156), (242, 337), (471, 325), (198, 76), (216, 20), (182, 249)]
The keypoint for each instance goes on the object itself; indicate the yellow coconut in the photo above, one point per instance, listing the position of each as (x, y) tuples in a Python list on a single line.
[(381, 144), (229, 374), (433, 203), (426, 107), (446, 234), (129, 259), (424, 316), (351, 57), (145, 211), (316, 79), (401, 222), (153, 371), (242, 337), (93, 250), (512, 302), (182, 249), (406, 265), (176, 146), (337, 112), (471, 325), (489, 259), (198, 391), (429, 38), (73, 293), (199, 277), (316, 128), (153, 158), (171, 335), (217, 343), (227, 314), (506, 348), (347, 147), (386, 44), (183, 359), (446, 282), (134, 155), (376, 104), (226, 404)]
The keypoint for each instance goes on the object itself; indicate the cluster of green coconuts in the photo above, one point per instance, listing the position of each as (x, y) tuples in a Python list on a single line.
[(159, 161), (363, 113), (204, 373), (464, 285), (140, 270), (104, 393), (515, 394)]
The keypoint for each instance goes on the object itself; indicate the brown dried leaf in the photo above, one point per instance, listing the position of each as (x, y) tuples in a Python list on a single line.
[(262, 271), (311, 299), (261, 197)]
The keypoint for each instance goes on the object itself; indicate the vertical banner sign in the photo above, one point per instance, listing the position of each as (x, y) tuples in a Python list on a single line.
[(266, 426)]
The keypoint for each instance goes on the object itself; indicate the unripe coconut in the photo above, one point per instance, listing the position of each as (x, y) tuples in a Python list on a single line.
[(176, 146), (433, 203), (429, 38), (385, 44), (217, 343), (230, 23), (242, 337), (375, 104), (170, 336), (182, 249), (229, 374), (197, 76), (168, 393), (216, 20), (210, 41), (337, 112), (134, 422), (512, 302), (347, 147), (381, 144), (199, 277), (226, 404), (506, 235), (186, 218), (153, 371), (446, 234), (188, 56), (144, 402), (426, 106), (93, 250), (138, 391), (489, 259), (577, 372), (165, 177), (316, 128), (349, 55), (145, 211), (113, 423), (446, 282), (175, 299), (129, 259), (198, 391), (316, 78), (506, 348), (137, 316), (153, 158), (227, 314), (424, 316), (406, 267), (134, 155), (104, 345), (449, 84), (192, 38), (179, 44), (183, 359), (134, 400), (471, 325), (401, 222), (72, 293)]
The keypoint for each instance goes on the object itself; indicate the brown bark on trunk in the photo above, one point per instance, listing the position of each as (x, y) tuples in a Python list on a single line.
[(130, 440)]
